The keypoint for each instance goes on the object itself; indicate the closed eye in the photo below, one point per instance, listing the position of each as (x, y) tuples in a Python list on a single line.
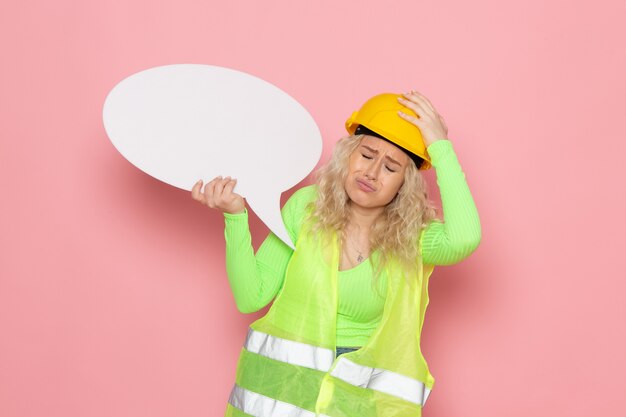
[(386, 166)]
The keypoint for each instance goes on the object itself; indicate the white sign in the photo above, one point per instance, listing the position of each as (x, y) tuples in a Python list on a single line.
[(185, 122)]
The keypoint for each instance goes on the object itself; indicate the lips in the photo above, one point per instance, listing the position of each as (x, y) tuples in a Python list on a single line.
[(365, 186)]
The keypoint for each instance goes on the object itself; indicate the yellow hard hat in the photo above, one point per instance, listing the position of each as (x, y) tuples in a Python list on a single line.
[(380, 115)]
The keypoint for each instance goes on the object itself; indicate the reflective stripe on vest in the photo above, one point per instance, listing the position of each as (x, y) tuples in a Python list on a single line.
[(258, 405), (389, 382), (295, 353), (302, 354)]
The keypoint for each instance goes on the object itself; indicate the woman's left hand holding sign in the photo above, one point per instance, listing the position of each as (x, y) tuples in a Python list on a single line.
[(218, 194)]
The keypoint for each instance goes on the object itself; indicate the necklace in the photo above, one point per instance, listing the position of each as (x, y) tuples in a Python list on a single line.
[(360, 257)]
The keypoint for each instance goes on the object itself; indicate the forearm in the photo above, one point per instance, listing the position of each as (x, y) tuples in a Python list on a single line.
[(254, 280), (459, 235)]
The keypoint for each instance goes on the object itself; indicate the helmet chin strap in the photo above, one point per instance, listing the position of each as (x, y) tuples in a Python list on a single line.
[(362, 130)]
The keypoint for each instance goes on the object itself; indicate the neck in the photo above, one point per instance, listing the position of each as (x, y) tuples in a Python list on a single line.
[(363, 218)]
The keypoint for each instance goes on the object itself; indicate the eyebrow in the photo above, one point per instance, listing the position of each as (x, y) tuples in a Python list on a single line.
[(376, 152)]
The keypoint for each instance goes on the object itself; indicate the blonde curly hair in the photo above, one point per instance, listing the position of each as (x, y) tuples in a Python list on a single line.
[(395, 233)]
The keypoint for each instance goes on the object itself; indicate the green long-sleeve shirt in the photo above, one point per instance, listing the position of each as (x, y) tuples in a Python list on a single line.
[(256, 280)]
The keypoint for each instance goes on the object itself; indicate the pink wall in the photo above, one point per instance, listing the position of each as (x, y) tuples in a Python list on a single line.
[(113, 294)]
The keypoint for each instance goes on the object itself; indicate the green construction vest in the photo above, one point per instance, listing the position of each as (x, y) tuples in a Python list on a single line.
[(287, 366)]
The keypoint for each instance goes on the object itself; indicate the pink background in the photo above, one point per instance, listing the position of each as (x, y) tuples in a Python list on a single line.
[(113, 294)]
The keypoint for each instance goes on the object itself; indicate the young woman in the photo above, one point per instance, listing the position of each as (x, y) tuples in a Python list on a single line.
[(367, 239)]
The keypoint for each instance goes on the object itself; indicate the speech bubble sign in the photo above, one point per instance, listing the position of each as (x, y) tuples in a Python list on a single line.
[(184, 122)]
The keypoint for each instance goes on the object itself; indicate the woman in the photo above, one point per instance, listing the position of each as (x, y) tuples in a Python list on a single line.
[(356, 286)]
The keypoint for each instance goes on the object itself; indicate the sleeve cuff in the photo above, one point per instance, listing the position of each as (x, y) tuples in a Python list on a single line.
[(236, 216), (235, 223), (440, 151), (439, 146), (236, 228)]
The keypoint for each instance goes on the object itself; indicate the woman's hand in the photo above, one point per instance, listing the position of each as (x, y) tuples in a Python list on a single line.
[(429, 122), (218, 194)]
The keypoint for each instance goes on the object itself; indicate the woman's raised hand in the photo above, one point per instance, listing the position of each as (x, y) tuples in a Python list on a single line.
[(430, 122), (218, 194)]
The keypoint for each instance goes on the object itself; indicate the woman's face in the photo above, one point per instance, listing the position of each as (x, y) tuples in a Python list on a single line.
[(376, 172)]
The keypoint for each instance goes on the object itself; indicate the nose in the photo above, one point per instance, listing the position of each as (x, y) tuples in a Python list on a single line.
[(371, 171)]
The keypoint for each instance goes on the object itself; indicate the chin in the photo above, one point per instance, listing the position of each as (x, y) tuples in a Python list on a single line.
[(360, 198)]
